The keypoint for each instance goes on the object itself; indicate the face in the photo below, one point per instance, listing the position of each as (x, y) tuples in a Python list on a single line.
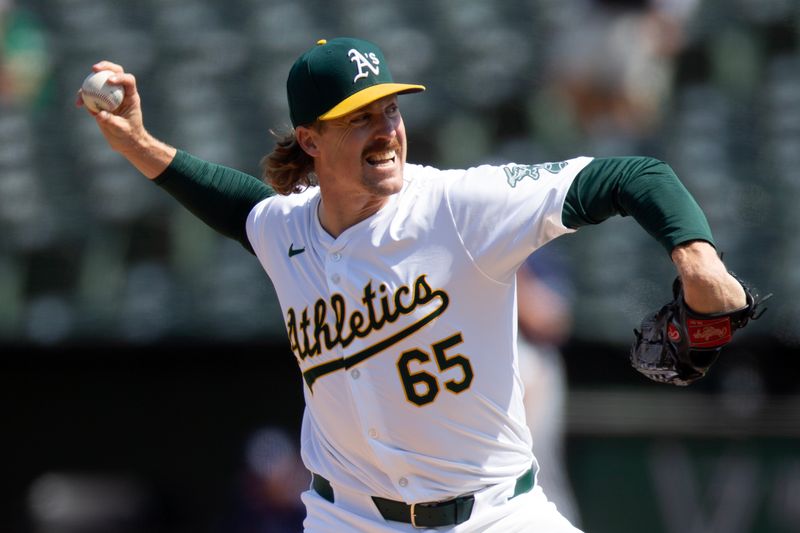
[(361, 152)]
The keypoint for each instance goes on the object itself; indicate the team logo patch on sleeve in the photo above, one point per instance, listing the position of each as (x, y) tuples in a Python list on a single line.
[(516, 173)]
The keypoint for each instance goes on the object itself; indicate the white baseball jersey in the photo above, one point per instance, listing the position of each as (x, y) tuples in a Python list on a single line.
[(404, 326)]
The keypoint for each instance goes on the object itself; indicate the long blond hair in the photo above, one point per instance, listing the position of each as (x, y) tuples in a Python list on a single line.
[(288, 169)]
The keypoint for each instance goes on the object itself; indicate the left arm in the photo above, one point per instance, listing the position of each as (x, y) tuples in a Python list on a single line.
[(708, 288), (649, 190)]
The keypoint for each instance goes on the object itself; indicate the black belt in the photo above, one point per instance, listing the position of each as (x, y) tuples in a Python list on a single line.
[(433, 514)]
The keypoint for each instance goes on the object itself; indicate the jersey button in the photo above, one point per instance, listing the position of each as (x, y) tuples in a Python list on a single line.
[(402, 482), (336, 256), (355, 374), (336, 278), (373, 433)]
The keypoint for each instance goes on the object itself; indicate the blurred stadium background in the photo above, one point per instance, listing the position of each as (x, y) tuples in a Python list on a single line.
[(142, 356)]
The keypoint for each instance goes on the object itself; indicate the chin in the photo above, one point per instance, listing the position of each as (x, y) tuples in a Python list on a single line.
[(386, 187), (384, 182)]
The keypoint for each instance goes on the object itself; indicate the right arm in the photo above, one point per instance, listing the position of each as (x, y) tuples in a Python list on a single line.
[(219, 196)]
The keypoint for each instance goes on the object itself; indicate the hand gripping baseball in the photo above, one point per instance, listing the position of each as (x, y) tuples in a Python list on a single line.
[(678, 346), (124, 128)]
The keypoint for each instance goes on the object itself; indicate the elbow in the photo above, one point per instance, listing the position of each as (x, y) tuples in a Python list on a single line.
[(655, 167)]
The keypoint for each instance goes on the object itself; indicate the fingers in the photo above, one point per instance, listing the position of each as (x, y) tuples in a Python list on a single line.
[(105, 119), (115, 128), (120, 77), (127, 80), (107, 65)]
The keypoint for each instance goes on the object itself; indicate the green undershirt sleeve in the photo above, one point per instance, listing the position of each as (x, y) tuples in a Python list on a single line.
[(646, 189), (219, 196)]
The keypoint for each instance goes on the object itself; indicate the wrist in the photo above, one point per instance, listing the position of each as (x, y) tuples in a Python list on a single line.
[(150, 155), (708, 286), (697, 261)]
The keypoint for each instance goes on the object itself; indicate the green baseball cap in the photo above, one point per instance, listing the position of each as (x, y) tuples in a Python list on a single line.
[(339, 76)]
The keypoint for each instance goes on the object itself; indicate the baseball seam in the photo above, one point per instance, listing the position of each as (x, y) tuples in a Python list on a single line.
[(104, 97)]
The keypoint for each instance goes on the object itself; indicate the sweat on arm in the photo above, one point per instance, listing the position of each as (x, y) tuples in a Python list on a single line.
[(219, 196), (642, 187)]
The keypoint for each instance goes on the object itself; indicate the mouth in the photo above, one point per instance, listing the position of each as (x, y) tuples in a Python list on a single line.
[(381, 159)]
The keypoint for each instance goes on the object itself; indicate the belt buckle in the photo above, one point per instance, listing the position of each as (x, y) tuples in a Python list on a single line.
[(414, 517)]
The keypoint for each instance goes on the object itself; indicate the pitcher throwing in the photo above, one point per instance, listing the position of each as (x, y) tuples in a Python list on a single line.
[(397, 286)]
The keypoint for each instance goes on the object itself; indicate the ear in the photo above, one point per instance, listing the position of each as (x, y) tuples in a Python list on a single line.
[(306, 138)]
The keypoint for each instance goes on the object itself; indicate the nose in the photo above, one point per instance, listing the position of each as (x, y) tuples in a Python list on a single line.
[(386, 127)]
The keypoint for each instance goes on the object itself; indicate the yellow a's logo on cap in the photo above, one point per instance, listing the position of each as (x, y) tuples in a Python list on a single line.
[(370, 61)]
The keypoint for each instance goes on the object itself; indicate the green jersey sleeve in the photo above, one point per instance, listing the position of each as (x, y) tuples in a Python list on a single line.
[(219, 196), (642, 187)]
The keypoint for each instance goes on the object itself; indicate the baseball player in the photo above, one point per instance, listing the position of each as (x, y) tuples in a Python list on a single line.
[(397, 287)]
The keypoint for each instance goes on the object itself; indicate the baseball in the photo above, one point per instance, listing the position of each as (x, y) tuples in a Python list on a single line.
[(99, 95)]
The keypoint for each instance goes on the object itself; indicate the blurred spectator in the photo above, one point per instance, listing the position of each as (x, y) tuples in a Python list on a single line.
[(267, 497), (612, 73), (24, 57), (544, 294), (60, 502)]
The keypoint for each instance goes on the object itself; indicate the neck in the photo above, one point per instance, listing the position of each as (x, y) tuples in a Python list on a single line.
[(338, 214)]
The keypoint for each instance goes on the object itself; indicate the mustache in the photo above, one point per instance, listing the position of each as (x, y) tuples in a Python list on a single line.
[(382, 146)]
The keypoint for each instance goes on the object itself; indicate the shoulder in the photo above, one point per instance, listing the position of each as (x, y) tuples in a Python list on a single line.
[(430, 178), (290, 202), (489, 176), (280, 214), (284, 207), (420, 174), (433, 185)]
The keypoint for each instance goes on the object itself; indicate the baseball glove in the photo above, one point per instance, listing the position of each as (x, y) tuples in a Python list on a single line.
[(678, 346)]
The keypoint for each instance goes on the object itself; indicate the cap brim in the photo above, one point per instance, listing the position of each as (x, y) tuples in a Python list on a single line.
[(367, 96)]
